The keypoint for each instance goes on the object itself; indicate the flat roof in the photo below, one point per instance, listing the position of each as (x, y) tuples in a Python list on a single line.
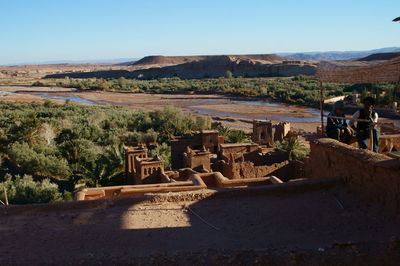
[(227, 145)]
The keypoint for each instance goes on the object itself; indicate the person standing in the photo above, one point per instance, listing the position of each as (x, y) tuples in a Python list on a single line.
[(363, 128)]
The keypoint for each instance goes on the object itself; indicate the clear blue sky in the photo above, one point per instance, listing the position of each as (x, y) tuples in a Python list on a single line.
[(46, 30)]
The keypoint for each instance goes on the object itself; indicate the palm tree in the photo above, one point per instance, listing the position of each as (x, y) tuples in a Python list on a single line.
[(27, 130), (296, 149), (113, 162), (223, 130), (107, 170)]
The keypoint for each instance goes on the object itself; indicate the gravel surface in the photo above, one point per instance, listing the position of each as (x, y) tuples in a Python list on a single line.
[(292, 228)]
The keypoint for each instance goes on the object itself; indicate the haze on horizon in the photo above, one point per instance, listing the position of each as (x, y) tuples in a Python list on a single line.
[(46, 30)]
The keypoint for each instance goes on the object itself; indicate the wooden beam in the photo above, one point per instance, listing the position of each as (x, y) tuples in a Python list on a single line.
[(321, 106)]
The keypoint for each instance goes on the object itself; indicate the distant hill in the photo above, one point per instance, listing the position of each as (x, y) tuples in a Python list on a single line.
[(160, 61), (217, 66), (337, 55), (261, 65), (380, 56), (121, 61), (206, 67)]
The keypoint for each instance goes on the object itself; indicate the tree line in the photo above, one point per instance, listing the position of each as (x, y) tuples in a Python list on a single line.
[(301, 90)]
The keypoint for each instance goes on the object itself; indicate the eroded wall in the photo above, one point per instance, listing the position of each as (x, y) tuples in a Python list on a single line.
[(375, 176)]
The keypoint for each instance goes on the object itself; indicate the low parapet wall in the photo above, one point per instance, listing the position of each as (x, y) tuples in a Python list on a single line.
[(375, 176), (196, 181), (277, 189)]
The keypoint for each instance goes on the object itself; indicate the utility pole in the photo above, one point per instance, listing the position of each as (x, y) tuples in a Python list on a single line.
[(398, 82)]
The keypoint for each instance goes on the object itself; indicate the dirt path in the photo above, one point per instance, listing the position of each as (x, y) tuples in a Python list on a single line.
[(122, 234)]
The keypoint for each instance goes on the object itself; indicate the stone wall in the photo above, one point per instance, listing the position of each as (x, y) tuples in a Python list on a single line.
[(227, 149), (390, 138), (240, 169), (389, 143), (375, 176)]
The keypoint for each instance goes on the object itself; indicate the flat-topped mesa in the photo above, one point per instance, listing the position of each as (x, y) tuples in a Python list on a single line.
[(166, 60), (159, 60), (199, 67)]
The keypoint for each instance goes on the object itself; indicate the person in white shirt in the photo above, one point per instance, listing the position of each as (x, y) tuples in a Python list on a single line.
[(362, 128)]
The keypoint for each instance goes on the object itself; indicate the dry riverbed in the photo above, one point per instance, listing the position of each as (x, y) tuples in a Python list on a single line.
[(233, 113)]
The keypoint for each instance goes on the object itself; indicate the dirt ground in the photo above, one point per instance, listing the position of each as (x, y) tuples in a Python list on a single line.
[(254, 110), (319, 221)]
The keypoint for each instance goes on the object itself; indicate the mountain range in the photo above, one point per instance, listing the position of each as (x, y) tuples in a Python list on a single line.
[(337, 55), (318, 56)]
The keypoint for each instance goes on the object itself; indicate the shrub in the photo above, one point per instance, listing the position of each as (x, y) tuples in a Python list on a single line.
[(232, 136), (38, 84), (237, 136), (202, 122), (41, 164), (164, 151), (228, 74), (67, 196), (24, 190)]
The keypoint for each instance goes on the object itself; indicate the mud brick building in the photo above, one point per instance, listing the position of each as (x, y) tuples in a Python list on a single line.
[(281, 131), (208, 139), (226, 149), (131, 153), (263, 132), (198, 160), (254, 164), (148, 170)]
